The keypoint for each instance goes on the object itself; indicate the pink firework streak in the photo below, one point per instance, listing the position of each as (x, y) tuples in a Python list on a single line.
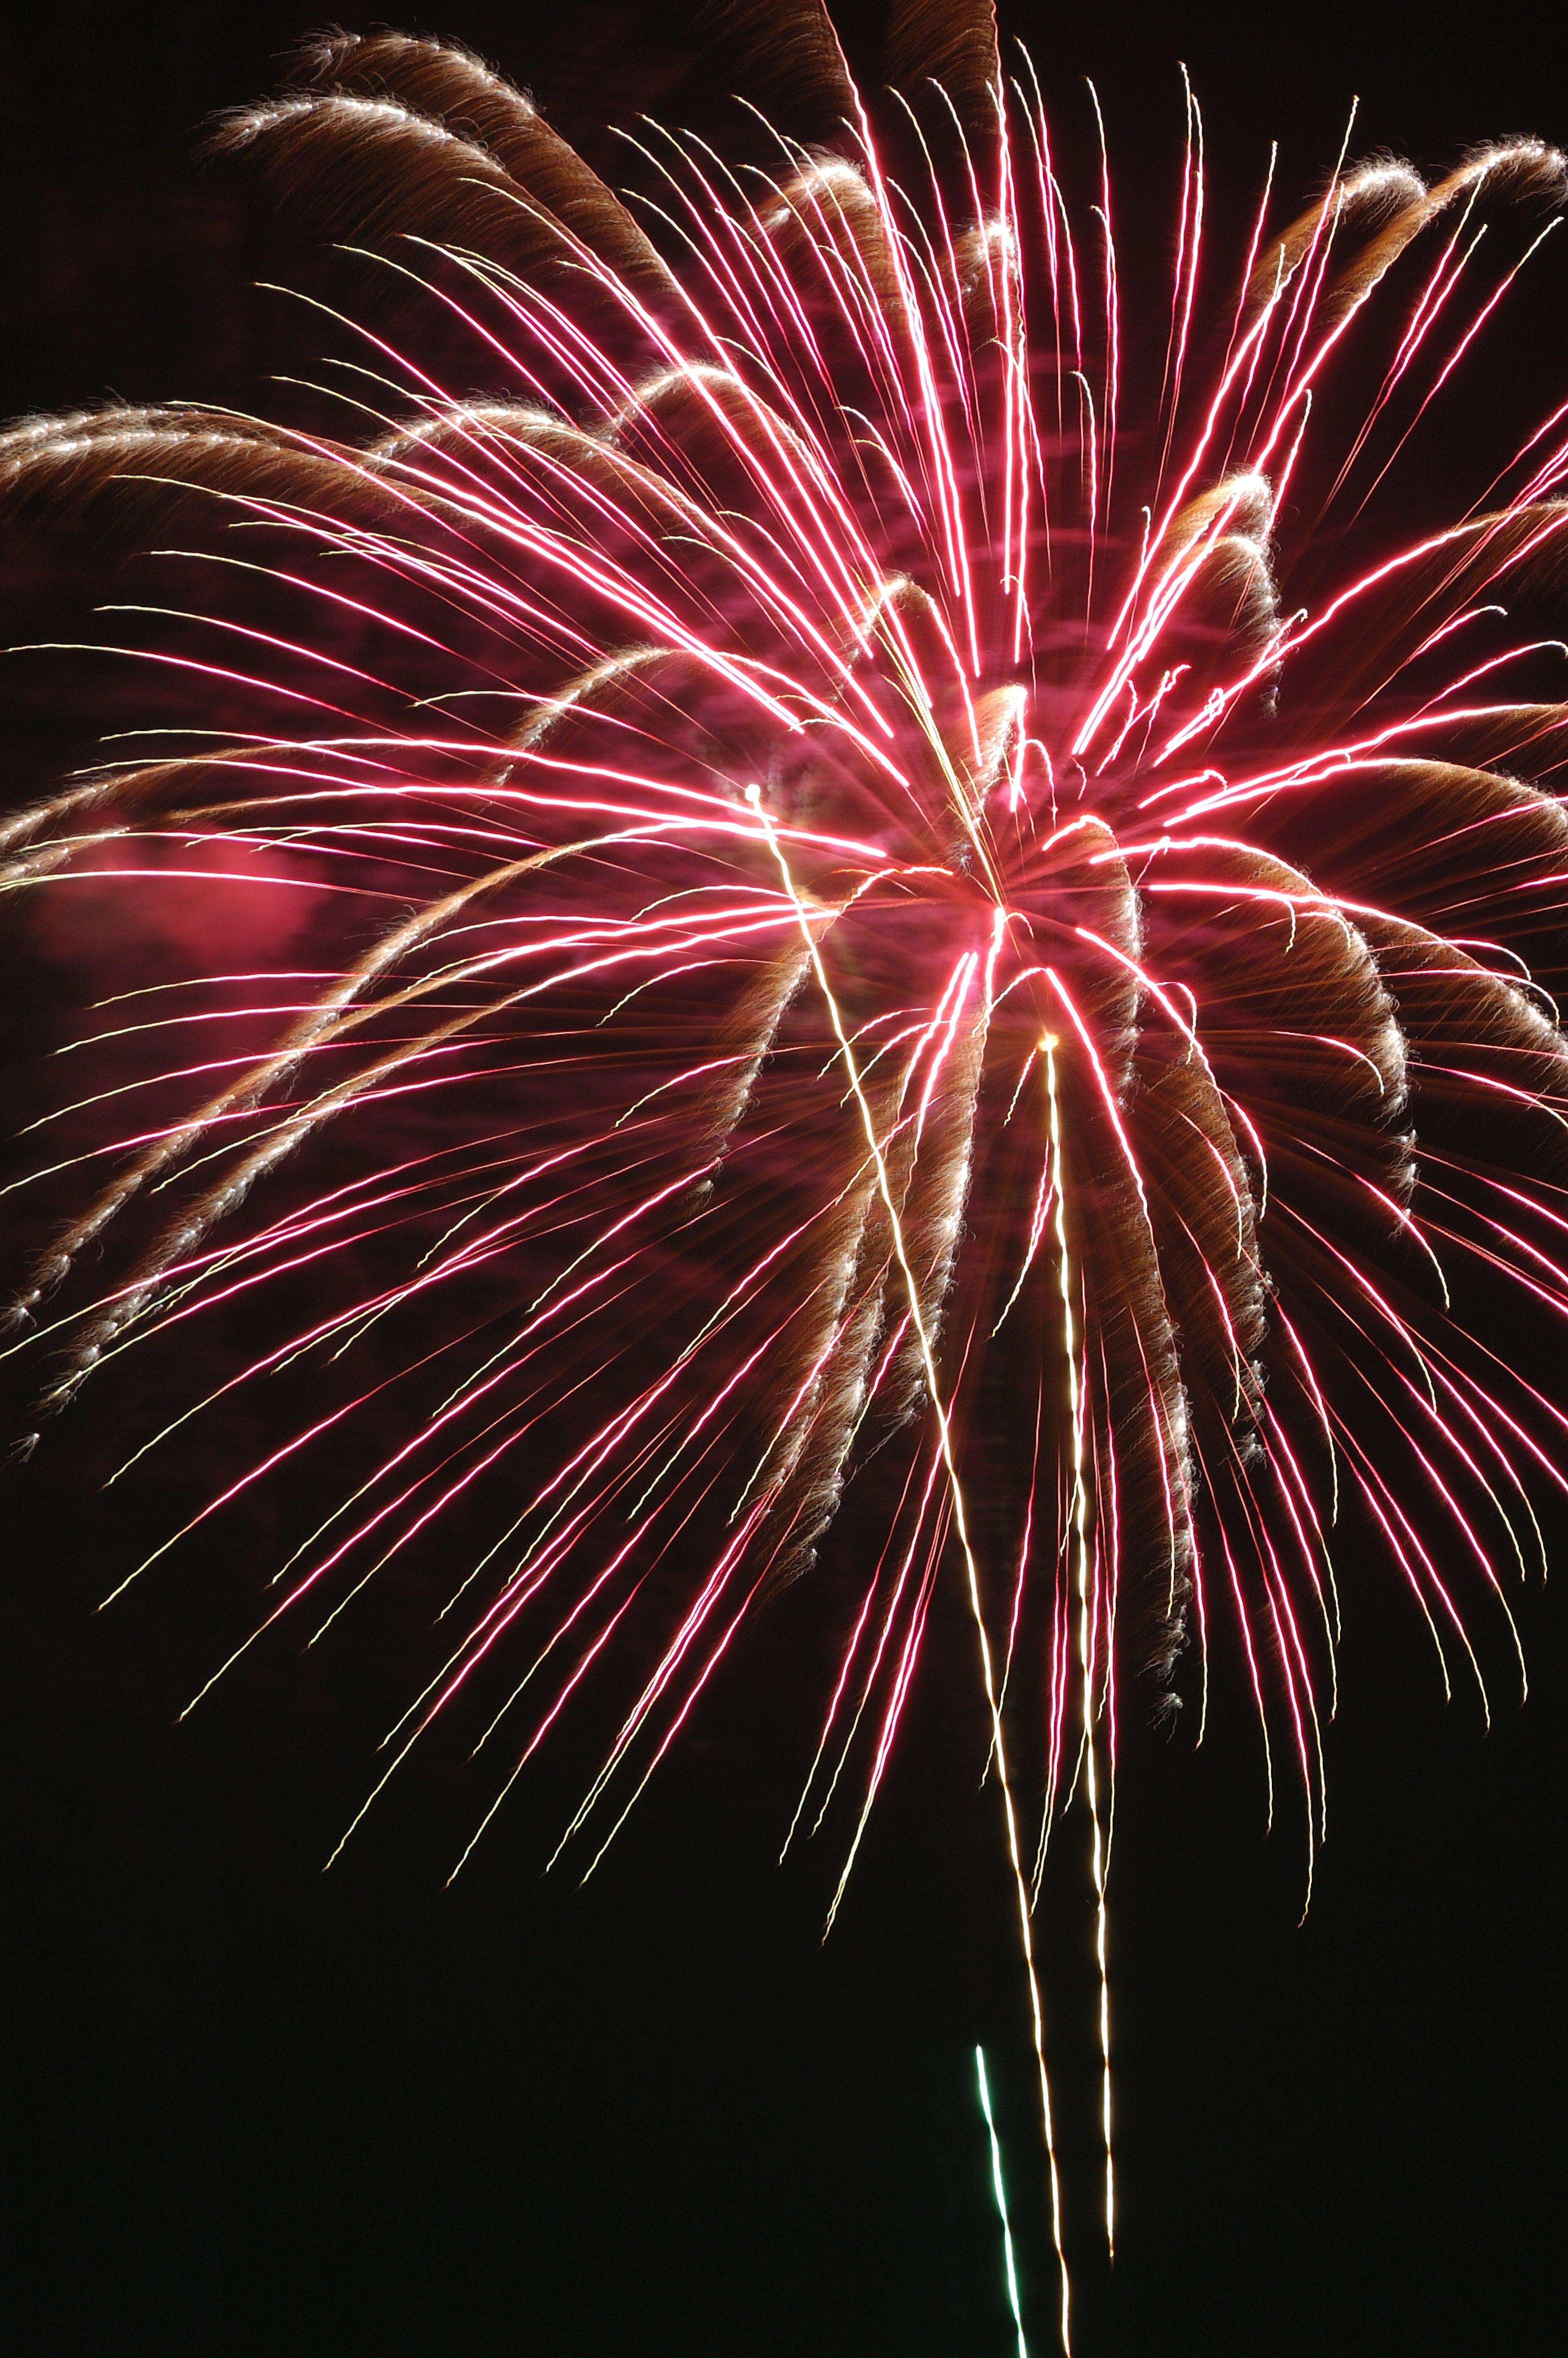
[(914, 894)]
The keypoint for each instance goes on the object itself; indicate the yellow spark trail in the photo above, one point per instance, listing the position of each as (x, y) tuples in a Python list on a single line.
[(1085, 1654), (960, 1523)]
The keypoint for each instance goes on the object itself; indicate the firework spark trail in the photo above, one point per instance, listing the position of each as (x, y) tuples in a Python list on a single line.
[(1006, 896), (876, 1148), (1080, 1549), (1000, 2189)]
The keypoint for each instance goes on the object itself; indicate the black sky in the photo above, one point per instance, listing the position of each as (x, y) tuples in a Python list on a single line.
[(258, 2110)]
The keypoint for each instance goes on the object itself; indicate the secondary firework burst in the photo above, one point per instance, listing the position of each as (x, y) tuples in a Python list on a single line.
[(962, 909)]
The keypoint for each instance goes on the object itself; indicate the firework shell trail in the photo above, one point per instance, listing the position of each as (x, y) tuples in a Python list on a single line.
[(914, 908)]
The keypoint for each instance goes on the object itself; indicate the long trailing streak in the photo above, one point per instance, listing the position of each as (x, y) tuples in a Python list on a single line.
[(999, 2188), (918, 915)]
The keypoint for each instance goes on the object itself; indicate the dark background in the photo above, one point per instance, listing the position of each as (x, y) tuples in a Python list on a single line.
[(255, 2109)]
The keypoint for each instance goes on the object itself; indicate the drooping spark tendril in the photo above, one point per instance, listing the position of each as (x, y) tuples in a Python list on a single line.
[(922, 917)]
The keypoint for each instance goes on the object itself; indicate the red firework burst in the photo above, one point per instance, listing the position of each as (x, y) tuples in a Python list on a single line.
[(960, 908)]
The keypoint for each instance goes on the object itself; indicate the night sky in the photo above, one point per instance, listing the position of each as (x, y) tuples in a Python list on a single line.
[(256, 2109)]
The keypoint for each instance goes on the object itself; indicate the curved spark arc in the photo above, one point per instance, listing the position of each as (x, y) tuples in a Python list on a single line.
[(807, 737)]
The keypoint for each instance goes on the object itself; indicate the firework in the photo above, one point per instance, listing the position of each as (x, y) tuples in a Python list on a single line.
[(905, 902)]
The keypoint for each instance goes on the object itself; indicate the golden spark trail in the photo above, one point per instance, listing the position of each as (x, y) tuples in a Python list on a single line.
[(960, 1524), (1086, 1651)]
